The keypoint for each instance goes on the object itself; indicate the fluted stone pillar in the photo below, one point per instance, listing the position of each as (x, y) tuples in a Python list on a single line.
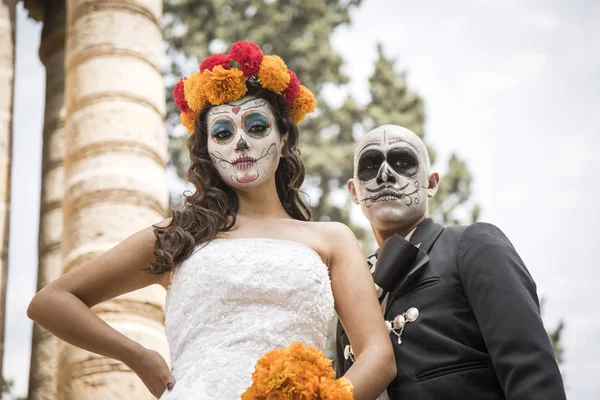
[(44, 349), (7, 72), (115, 180)]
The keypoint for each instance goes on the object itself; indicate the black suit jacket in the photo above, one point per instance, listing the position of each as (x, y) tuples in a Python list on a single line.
[(479, 334)]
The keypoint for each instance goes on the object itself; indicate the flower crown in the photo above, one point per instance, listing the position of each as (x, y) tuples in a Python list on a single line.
[(222, 79)]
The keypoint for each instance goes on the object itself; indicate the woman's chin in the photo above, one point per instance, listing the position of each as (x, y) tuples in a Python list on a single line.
[(247, 177)]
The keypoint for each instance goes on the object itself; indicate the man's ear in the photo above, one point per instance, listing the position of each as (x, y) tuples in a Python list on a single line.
[(352, 191), (433, 184)]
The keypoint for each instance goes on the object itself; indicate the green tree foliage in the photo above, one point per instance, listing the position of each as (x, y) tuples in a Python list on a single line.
[(453, 193), (7, 386), (555, 336), (392, 101)]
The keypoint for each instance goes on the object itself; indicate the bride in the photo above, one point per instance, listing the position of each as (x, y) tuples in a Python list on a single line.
[(245, 270)]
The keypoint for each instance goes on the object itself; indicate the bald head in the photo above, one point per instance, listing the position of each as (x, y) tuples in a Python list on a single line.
[(393, 133), (392, 177)]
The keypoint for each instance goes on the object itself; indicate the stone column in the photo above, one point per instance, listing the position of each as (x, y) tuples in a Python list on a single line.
[(115, 181), (7, 73), (44, 349)]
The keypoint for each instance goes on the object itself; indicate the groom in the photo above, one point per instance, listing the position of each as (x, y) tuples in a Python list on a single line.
[(460, 305)]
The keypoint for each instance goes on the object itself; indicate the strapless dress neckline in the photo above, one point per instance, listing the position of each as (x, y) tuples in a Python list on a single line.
[(233, 300)]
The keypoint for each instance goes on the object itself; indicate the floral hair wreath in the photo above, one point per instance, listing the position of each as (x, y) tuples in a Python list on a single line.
[(222, 79)]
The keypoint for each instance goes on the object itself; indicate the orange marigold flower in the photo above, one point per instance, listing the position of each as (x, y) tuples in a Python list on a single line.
[(296, 373), (269, 358), (273, 74), (223, 85), (339, 389), (193, 91), (305, 103), (189, 120), (253, 394)]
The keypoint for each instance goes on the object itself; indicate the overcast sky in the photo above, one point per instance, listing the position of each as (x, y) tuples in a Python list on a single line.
[(512, 87)]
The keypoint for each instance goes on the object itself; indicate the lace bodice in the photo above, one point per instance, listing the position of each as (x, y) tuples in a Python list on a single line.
[(235, 299)]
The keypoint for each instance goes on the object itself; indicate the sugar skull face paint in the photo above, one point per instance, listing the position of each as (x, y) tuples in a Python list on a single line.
[(391, 182), (244, 142)]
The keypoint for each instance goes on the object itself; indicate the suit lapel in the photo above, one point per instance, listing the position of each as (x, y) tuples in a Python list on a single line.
[(424, 237)]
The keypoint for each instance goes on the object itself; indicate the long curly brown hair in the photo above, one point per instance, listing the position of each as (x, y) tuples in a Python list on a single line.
[(213, 207)]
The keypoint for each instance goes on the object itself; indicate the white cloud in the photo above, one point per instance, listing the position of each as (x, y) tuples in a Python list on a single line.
[(541, 19), (572, 155), (528, 63), (490, 81), (516, 70), (503, 4)]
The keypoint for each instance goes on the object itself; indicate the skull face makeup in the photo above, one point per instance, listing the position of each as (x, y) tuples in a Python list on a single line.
[(244, 142), (391, 177)]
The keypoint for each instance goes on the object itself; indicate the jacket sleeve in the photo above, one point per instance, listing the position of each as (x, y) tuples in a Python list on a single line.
[(503, 297), (340, 343)]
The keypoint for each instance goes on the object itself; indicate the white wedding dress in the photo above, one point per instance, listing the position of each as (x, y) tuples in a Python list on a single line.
[(235, 299)]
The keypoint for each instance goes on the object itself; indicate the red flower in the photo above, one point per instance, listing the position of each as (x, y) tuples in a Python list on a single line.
[(213, 60), (293, 90), (179, 97), (248, 55)]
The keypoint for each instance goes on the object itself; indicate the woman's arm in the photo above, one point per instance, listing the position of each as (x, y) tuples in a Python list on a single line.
[(63, 307), (359, 312)]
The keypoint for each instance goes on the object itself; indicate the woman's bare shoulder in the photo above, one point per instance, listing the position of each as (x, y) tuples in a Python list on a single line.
[(329, 237), (331, 231)]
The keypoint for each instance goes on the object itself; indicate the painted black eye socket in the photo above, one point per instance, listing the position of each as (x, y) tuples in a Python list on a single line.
[(368, 164), (403, 161)]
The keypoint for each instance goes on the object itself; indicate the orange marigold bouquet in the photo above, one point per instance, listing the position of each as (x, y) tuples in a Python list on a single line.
[(297, 372)]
